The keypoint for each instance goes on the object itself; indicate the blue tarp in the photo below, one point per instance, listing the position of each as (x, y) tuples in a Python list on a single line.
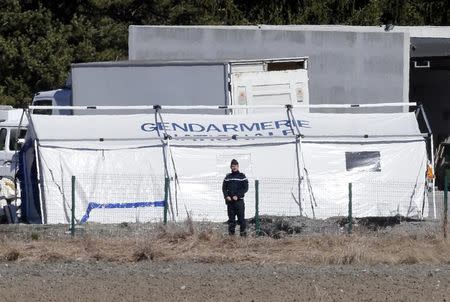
[(30, 206)]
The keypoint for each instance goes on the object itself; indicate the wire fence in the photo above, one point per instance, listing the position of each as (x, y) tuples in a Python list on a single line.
[(86, 202)]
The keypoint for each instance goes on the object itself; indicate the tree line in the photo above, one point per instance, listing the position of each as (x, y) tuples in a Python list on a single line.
[(39, 39)]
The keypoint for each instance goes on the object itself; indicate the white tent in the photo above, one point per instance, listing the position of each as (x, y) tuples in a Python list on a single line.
[(304, 164)]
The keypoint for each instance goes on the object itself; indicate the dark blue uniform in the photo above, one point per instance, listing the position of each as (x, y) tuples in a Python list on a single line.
[(235, 184)]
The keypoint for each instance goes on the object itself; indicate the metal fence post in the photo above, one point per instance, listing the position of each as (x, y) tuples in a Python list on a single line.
[(445, 225), (257, 222), (72, 222), (166, 196), (350, 218)]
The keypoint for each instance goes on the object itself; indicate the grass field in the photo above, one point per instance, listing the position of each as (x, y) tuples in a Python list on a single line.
[(192, 262)]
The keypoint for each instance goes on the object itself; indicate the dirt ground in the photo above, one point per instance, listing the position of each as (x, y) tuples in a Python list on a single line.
[(189, 281), (294, 261)]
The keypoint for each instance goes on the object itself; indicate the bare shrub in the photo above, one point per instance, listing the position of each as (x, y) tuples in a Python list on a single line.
[(345, 254), (146, 252), (409, 259), (205, 235), (189, 224), (175, 232), (98, 256), (11, 255), (89, 244), (52, 257)]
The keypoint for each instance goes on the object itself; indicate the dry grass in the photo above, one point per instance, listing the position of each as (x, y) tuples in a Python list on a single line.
[(186, 243)]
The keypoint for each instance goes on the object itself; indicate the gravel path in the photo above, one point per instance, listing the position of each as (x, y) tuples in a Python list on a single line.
[(188, 281)]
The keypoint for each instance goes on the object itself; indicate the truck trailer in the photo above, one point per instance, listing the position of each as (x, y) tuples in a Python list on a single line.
[(132, 83)]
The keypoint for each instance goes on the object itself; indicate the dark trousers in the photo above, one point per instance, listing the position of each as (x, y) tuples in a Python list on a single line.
[(236, 208)]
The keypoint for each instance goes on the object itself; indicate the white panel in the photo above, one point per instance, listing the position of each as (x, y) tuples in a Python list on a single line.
[(104, 177), (270, 99), (202, 170), (125, 131), (270, 88), (397, 189)]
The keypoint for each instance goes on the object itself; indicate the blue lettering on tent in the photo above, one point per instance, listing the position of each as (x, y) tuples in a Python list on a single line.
[(266, 125), (148, 127), (285, 123), (303, 123), (245, 127), (212, 127), (196, 128), (94, 205), (227, 127), (241, 127), (184, 128), (162, 126)]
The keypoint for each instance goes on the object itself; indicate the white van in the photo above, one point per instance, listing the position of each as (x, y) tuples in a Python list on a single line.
[(10, 139)]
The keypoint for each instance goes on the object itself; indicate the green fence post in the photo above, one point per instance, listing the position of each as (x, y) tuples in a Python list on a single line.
[(72, 222), (445, 225), (257, 223), (166, 197), (350, 218)]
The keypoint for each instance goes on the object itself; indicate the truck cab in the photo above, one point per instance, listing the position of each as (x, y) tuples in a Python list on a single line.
[(58, 97)]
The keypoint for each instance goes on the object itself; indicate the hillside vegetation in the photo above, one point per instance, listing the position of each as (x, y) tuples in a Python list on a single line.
[(40, 38)]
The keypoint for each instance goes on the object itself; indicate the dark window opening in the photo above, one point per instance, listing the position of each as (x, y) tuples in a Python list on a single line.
[(293, 65), (365, 161), (43, 103), (3, 133), (446, 115), (13, 138)]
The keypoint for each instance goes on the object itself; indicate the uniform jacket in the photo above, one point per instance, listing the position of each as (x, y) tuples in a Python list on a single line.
[(235, 184)]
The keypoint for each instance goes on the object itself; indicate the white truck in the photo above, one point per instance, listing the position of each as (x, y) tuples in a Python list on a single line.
[(133, 83)]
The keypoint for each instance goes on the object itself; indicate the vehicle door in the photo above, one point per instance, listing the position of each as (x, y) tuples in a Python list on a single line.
[(5, 153), (269, 88)]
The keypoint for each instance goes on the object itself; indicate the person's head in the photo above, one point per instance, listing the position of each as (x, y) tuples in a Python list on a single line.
[(234, 166)]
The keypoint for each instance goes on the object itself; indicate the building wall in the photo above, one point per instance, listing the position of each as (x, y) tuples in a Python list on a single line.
[(430, 87), (344, 66)]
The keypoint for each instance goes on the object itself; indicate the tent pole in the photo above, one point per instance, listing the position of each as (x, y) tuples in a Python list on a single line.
[(434, 177), (40, 182), (167, 175), (226, 107), (299, 138), (297, 151), (167, 137), (427, 123), (164, 150), (299, 175)]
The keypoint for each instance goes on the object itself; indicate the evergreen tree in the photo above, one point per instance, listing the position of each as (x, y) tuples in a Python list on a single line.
[(39, 39)]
